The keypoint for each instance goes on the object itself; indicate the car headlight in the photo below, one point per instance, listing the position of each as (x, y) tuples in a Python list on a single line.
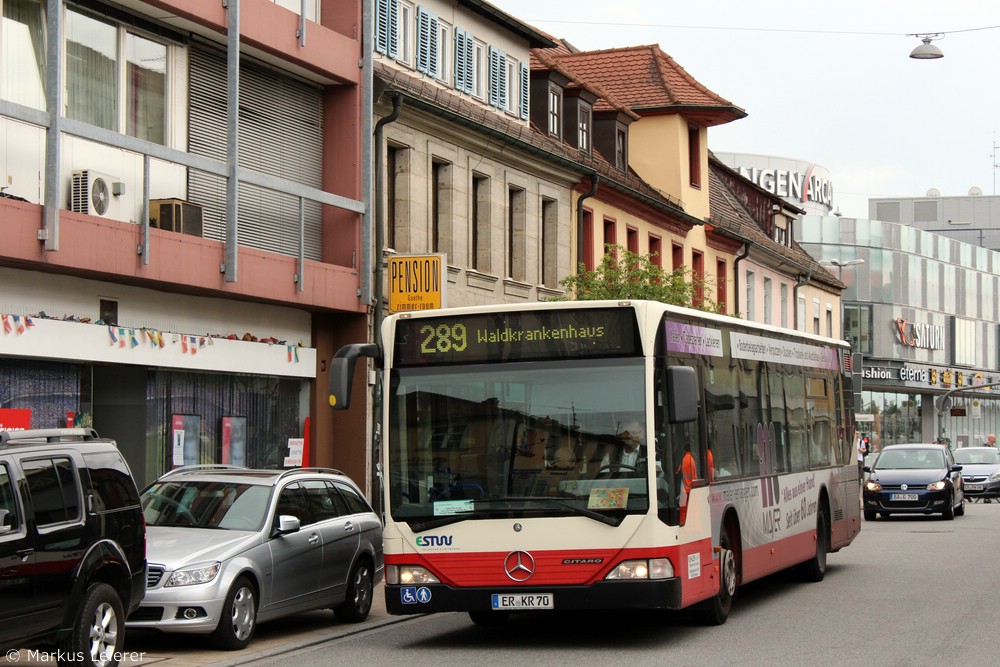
[(654, 568), (995, 476), (199, 574), (407, 575), (936, 486), (873, 486)]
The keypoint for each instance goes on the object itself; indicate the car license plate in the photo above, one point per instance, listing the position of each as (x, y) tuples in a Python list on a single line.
[(973, 487), (904, 496), (523, 601)]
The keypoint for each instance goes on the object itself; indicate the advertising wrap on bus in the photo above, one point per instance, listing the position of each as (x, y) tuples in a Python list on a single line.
[(606, 455)]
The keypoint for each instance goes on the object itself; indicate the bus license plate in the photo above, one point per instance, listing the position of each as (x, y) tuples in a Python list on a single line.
[(973, 487), (523, 601), (904, 496)]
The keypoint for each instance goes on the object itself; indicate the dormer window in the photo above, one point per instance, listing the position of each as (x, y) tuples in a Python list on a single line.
[(555, 105), (621, 147), (583, 125)]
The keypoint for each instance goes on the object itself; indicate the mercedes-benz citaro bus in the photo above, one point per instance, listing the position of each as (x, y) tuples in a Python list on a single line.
[(604, 455)]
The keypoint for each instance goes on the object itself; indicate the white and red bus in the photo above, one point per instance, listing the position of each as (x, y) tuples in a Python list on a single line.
[(508, 480)]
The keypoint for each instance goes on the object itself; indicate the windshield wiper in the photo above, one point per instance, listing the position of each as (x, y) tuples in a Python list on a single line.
[(421, 526), (581, 511), (438, 522)]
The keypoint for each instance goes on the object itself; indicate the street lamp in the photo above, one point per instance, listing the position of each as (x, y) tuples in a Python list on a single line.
[(926, 50), (841, 264)]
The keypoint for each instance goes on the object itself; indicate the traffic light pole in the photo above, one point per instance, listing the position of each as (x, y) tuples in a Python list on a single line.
[(943, 402)]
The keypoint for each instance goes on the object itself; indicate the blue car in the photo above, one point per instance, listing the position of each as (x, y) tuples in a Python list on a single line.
[(914, 479)]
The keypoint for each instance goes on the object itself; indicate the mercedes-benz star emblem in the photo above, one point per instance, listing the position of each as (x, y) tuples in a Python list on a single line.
[(519, 565)]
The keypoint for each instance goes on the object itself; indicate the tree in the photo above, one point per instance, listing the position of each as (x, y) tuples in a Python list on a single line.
[(624, 274)]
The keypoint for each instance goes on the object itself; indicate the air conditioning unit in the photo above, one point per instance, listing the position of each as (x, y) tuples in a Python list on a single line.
[(175, 215), (94, 193)]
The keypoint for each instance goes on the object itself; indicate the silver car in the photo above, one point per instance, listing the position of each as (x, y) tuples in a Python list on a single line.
[(230, 548), (980, 471)]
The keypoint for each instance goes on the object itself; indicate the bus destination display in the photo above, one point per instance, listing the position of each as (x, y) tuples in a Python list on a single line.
[(517, 336)]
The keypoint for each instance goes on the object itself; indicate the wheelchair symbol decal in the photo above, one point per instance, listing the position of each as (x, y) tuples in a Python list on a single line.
[(411, 595)]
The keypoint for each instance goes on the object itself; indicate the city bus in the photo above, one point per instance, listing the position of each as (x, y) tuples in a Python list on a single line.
[(508, 484)]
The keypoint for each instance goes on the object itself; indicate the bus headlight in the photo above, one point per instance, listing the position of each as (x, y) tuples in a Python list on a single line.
[(654, 568), (409, 575)]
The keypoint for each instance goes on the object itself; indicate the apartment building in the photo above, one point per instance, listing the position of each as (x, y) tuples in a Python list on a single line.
[(175, 272)]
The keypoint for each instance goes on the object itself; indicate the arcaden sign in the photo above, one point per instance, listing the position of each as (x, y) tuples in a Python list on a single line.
[(807, 187)]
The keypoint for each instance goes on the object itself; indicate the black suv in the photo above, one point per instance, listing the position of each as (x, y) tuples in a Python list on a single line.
[(72, 545)]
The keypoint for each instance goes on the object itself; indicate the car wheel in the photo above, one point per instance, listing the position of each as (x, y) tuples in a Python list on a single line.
[(239, 617), (99, 630), (960, 510), (716, 610), (358, 602), (869, 515), (814, 569), (949, 511)]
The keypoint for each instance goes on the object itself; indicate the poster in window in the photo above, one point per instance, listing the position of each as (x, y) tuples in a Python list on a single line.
[(234, 440), (186, 439)]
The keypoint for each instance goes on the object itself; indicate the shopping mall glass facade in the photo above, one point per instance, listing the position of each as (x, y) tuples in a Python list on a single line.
[(923, 311)]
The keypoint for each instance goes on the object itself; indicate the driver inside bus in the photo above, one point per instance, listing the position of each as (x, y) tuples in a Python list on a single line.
[(629, 452)]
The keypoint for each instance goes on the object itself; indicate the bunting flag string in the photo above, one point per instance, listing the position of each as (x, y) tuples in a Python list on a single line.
[(121, 337), (18, 324), (111, 332), (133, 340), (6, 324)]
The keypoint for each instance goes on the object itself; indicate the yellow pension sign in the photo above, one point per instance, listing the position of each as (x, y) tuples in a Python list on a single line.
[(416, 282)]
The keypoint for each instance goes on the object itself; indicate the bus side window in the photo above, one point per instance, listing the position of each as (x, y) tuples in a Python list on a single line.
[(722, 399)]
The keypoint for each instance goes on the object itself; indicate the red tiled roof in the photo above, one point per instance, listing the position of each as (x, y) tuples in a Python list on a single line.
[(542, 59), (646, 79)]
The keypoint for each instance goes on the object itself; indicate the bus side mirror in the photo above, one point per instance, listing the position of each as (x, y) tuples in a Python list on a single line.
[(682, 393), (342, 372)]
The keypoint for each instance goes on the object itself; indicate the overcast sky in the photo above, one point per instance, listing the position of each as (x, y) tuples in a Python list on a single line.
[(828, 82)]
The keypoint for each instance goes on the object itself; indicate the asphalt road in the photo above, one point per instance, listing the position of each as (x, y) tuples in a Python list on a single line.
[(910, 590)]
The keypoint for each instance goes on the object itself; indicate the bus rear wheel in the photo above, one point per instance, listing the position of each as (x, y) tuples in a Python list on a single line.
[(716, 610), (814, 569)]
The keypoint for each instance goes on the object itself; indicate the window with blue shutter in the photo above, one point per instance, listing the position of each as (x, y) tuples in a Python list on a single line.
[(427, 42), (498, 78), (464, 62), (386, 27), (523, 86)]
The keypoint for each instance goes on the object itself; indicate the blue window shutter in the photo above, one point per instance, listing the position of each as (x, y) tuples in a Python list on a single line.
[(423, 39), (502, 82), (393, 15), (498, 77), (470, 64), (433, 37), (523, 86), (382, 26), (460, 39)]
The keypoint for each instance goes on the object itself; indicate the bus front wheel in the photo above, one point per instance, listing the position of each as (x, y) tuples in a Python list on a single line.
[(716, 610)]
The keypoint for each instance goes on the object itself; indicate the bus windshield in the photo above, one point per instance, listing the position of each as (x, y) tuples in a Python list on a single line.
[(544, 438)]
